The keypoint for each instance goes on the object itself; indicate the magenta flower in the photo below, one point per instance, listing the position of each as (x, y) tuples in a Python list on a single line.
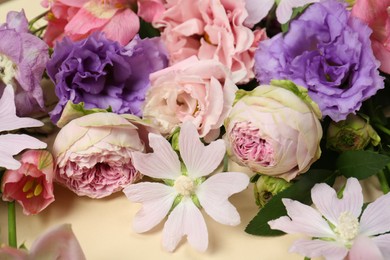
[(186, 191), (336, 227), (12, 144), (32, 184)]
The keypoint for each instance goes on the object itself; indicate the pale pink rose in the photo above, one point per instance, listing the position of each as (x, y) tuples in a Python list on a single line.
[(150, 10), (94, 153), (32, 184), (78, 19), (210, 30), (377, 14), (200, 91)]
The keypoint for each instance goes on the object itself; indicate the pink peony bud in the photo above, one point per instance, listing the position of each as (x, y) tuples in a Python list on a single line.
[(32, 184)]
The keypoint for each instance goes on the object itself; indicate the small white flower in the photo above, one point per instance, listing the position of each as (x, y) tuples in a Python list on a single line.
[(335, 227), (187, 191)]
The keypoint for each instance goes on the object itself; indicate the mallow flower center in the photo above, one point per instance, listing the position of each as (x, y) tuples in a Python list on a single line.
[(184, 185), (7, 69), (347, 228)]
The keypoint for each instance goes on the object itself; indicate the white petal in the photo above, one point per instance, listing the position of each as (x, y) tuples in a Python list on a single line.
[(326, 201), (383, 243), (376, 217), (156, 198), (12, 144), (316, 248), (185, 219), (163, 163), (364, 248), (304, 220), (199, 159), (257, 10), (285, 8), (213, 196), (9, 120)]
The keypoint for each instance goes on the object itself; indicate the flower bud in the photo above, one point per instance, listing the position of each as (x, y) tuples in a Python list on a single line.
[(354, 133), (266, 187)]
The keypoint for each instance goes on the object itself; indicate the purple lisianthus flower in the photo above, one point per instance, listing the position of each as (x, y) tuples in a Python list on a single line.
[(23, 58), (102, 73), (327, 51)]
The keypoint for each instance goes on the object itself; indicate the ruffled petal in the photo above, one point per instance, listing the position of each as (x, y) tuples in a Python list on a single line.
[(376, 217), (199, 159), (185, 219), (156, 198), (302, 219), (163, 163), (383, 243), (9, 120), (316, 248), (213, 196), (325, 199), (364, 248)]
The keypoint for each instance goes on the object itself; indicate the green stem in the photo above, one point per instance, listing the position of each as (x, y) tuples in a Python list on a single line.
[(382, 128), (12, 224), (40, 29), (35, 19), (383, 182), (225, 163)]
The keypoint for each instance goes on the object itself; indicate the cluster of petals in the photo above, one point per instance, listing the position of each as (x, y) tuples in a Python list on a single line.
[(185, 190)]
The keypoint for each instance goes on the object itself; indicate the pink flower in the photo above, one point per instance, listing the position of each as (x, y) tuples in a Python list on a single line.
[(377, 14), (197, 90), (56, 243), (32, 184), (150, 10), (78, 19), (93, 153), (12, 144), (335, 226), (210, 30), (186, 191)]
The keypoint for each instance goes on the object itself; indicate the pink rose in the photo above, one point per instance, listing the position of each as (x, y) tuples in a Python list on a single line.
[(77, 19), (377, 14), (210, 30), (197, 90), (32, 184), (93, 153)]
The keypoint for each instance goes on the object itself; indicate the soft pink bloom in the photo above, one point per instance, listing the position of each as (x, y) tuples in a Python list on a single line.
[(12, 144), (150, 10), (377, 14), (210, 30), (93, 153), (187, 188), (56, 243), (335, 226), (32, 184), (258, 10), (79, 19), (200, 91)]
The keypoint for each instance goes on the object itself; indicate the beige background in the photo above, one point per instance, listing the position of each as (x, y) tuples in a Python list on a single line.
[(103, 227)]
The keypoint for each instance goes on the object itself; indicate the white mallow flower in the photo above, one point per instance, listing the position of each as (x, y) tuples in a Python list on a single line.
[(185, 190), (338, 228)]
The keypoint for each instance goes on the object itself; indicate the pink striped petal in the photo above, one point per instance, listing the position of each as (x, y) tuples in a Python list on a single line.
[(122, 27), (316, 248), (383, 243), (364, 248), (199, 159), (376, 217)]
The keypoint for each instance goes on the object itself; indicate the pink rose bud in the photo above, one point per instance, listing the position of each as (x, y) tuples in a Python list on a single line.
[(32, 184)]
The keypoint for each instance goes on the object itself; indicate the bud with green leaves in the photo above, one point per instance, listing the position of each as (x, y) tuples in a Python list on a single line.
[(266, 187)]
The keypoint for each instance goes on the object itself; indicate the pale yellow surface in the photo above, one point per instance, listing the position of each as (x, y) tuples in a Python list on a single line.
[(103, 227)]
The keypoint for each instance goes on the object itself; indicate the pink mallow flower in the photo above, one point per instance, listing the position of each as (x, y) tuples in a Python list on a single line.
[(186, 189), (78, 19), (58, 242), (337, 230), (12, 144), (32, 184)]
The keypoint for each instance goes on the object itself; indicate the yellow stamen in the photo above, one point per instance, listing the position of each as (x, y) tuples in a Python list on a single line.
[(30, 195), (38, 190), (28, 186)]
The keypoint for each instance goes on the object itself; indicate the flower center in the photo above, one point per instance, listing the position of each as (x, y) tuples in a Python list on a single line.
[(7, 70), (32, 188), (184, 185), (347, 228)]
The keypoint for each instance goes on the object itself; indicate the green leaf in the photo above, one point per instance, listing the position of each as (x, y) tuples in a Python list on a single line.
[(298, 191), (361, 164), (146, 30)]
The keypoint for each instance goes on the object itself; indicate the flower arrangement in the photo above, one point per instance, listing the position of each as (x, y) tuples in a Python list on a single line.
[(177, 105)]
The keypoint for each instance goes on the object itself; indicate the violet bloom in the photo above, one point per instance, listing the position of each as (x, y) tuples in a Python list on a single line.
[(23, 58), (327, 51), (102, 73)]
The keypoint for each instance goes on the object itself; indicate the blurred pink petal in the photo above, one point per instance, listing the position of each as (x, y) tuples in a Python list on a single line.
[(364, 248), (150, 10), (330, 250), (285, 8), (376, 217), (383, 243), (257, 10)]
